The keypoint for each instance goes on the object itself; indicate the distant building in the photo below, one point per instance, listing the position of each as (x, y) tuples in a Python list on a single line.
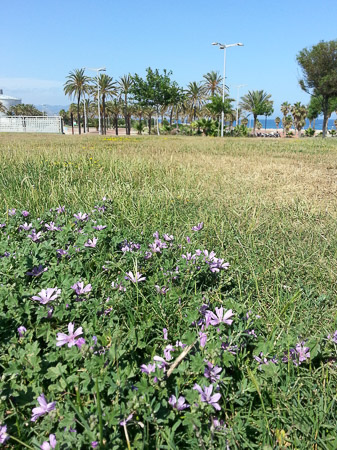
[(8, 101)]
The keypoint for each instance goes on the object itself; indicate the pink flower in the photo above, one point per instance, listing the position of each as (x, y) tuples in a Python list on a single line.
[(91, 243), (43, 408), (63, 338), (203, 339), (49, 445), (219, 317), (125, 421), (47, 295), (135, 278)]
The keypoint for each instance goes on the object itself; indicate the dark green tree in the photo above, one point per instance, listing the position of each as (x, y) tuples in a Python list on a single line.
[(24, 110), (256, 102), (154, 90), (319, 67)]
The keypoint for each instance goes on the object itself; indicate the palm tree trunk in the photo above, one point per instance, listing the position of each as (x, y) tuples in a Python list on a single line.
[(157, 124), (78, 114), (325, 115), (254, 125), (150, 123), (171, 117)]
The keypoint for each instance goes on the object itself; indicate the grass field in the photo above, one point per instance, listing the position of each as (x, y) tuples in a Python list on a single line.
[(269, 210)]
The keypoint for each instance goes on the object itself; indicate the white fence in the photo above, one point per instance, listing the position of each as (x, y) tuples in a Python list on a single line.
[(29, 124)]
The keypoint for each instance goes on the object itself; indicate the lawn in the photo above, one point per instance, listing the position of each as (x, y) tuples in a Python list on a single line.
[(265, 207)]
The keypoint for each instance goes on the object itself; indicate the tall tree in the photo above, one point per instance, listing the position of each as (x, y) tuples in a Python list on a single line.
[(211, 83), (115, 108), (2, 108), (277, 122), (285, 109), (155, 90), (256, 102), (77, 83), (319, 68), (195, 96), (299, 113), (125, 84), (107, 88)]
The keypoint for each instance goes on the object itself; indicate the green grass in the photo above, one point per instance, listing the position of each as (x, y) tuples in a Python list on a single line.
[(269, 208), (271, 205)]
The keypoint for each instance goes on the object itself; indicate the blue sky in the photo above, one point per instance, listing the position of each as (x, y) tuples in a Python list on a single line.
[(41, 41)]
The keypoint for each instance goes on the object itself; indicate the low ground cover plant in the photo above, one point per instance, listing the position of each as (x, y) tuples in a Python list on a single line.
[(111, 338)]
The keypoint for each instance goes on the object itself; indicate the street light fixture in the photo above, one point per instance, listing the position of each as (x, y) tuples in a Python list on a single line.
[(100, 69), (224, 47)]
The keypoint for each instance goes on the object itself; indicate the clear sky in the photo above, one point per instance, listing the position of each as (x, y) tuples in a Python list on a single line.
[(43, 40)]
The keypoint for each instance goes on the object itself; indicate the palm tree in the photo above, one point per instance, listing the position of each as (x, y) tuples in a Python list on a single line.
[(299, 113), (125, 82), (115, 108), (195, 95), (244, 121), (255, 102), (212, 83), (148, 113), (77, 83), (2, 108), (107, 88), (277, 121), (285, 109), (287, 122)]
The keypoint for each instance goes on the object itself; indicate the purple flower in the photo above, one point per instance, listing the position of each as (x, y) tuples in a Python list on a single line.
[(60, 209), (80, 342), (207, 397), (179, 404), (203, 338), (303, 353), (60, 252), (12, 212), (167, 352), (333, 338), (218, 264), (2, 225), (99, 227), (91, 243), (165, 333), (22, 330), (26, 226), (63, 338), (212, 372), (80, 289), (36, 271), (35, 237), (52, 227), (156, 235), (118, 286), (94, 444), (162, 290), (25, 213), (188, 239), (198, 227), (81, 216), (43, 408), (125, 421), (148, 255), (3, 434), (135, 278), (160, 360), (148, 368), (47, 295), (51, 444), (219, 317), (50, 313), (168, 238)]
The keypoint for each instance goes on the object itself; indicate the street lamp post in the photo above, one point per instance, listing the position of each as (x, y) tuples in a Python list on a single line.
[(101, 69), (224, 47), (237, 103)]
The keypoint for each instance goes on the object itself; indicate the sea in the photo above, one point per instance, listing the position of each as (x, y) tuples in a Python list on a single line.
[(270, 123)]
